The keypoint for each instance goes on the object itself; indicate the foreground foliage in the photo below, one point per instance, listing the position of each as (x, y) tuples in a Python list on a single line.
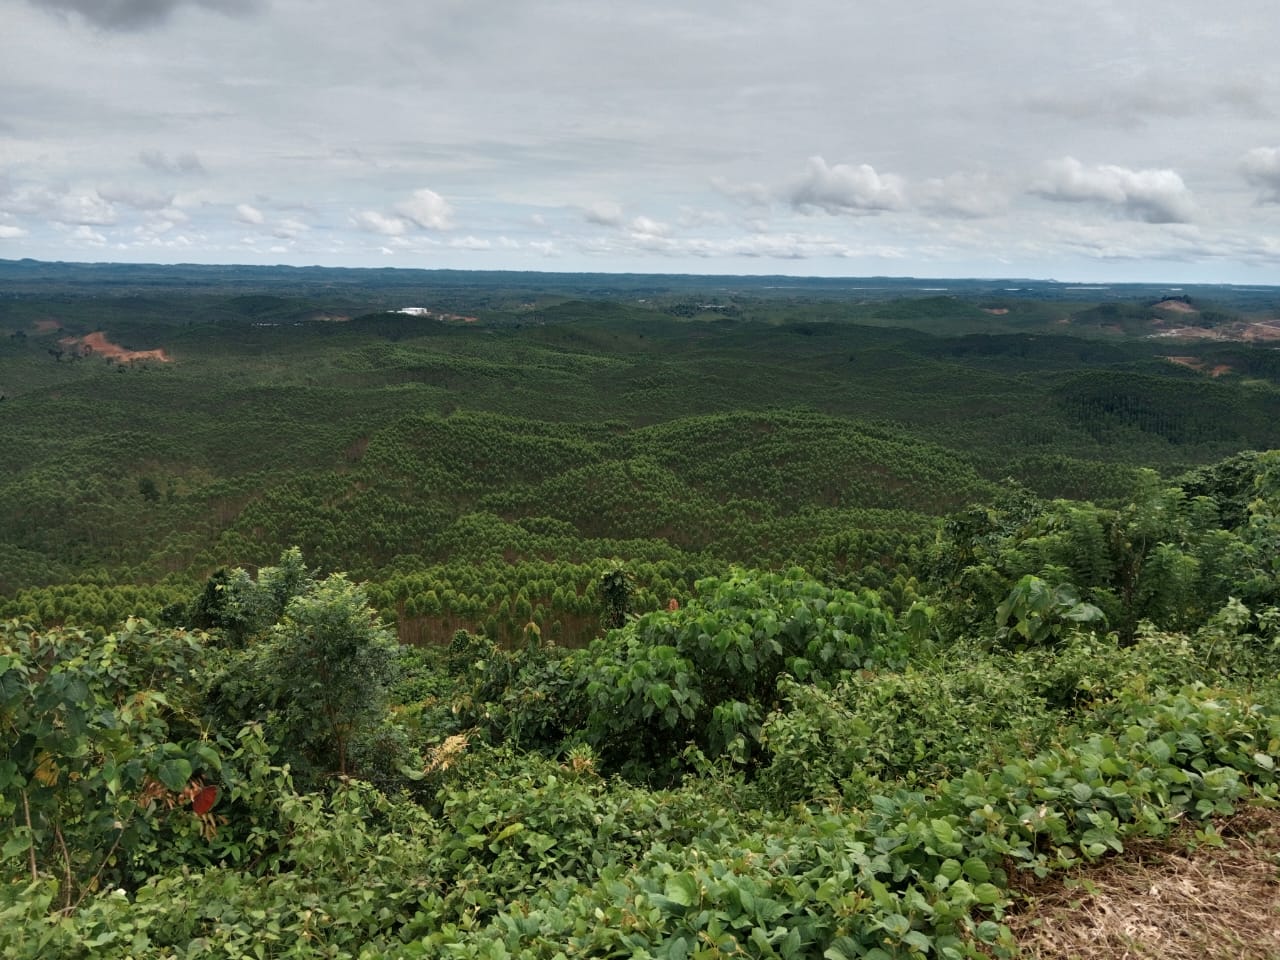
[(887, 798)]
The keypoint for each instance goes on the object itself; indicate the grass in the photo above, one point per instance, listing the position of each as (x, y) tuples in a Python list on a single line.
[(1165, 900)]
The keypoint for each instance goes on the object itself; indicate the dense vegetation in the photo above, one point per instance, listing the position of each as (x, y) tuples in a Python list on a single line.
[(730, 622)]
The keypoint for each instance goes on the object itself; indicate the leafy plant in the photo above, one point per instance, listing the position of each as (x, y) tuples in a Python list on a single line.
[(1035, 614)]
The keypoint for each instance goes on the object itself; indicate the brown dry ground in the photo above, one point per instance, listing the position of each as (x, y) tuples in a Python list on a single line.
[(102, 347), (1164, 900), (1176, 306), (1266, 330), (47, 326)]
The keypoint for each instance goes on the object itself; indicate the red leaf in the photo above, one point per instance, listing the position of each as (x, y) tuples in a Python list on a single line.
[(203, 801)]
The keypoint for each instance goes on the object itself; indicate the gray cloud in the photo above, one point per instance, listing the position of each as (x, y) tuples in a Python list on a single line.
[(135, 198), (140, 14), (180, 164), (1261, 168), (963, 195), (614, 135), (1155, 196), (1131, 109), (846, 189), (747, 194)]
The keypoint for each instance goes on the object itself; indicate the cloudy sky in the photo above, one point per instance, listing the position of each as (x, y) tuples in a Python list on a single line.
[(1082, 140)]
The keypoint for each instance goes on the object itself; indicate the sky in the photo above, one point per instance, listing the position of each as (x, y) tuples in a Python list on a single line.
[(1081, 141)]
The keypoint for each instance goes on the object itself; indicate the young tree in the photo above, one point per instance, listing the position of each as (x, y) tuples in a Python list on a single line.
[(331, 661)]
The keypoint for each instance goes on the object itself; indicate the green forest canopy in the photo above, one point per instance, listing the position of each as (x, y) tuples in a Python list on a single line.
[(733, 621)]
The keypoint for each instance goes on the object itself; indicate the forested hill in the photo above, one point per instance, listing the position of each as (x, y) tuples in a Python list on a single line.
[(172, 428)]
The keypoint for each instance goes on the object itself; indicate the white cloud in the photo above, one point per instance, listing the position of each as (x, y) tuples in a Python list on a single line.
[(375, 222), (470, 243), (604, 213), (1261, 168), (1156, 196), (424, 209), (289, 229), (8, 232), (250, 215), (84, 208), (88, 235), (427, 209), (648, 227), (846, 189)]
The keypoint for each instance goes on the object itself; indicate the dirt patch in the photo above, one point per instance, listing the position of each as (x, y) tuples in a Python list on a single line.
[(1262, 331), (46, 326), (1161, 901), (996, 311), (1195, 363), (98, 344), (1194, 333), (1176, 306)]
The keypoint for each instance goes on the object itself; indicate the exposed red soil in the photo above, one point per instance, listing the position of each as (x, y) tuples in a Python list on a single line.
[(1195, 363), (97, 343), (47, 326), (996, 311)]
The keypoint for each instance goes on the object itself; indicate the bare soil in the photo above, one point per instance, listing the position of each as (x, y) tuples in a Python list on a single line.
[(99, 345), (1262, 331), (1176, 306), (1195, 363)]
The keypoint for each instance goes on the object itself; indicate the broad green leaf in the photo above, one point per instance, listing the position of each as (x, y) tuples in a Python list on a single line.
[(977, 870), (19, 843), (509, 831), (175, 774), (682, 888), (896, 924)]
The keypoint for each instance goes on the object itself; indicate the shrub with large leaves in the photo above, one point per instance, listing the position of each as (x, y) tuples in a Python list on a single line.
[(707, 674), (99, 752)]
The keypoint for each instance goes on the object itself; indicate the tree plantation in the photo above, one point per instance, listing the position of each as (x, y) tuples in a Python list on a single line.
[(619, 617)]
